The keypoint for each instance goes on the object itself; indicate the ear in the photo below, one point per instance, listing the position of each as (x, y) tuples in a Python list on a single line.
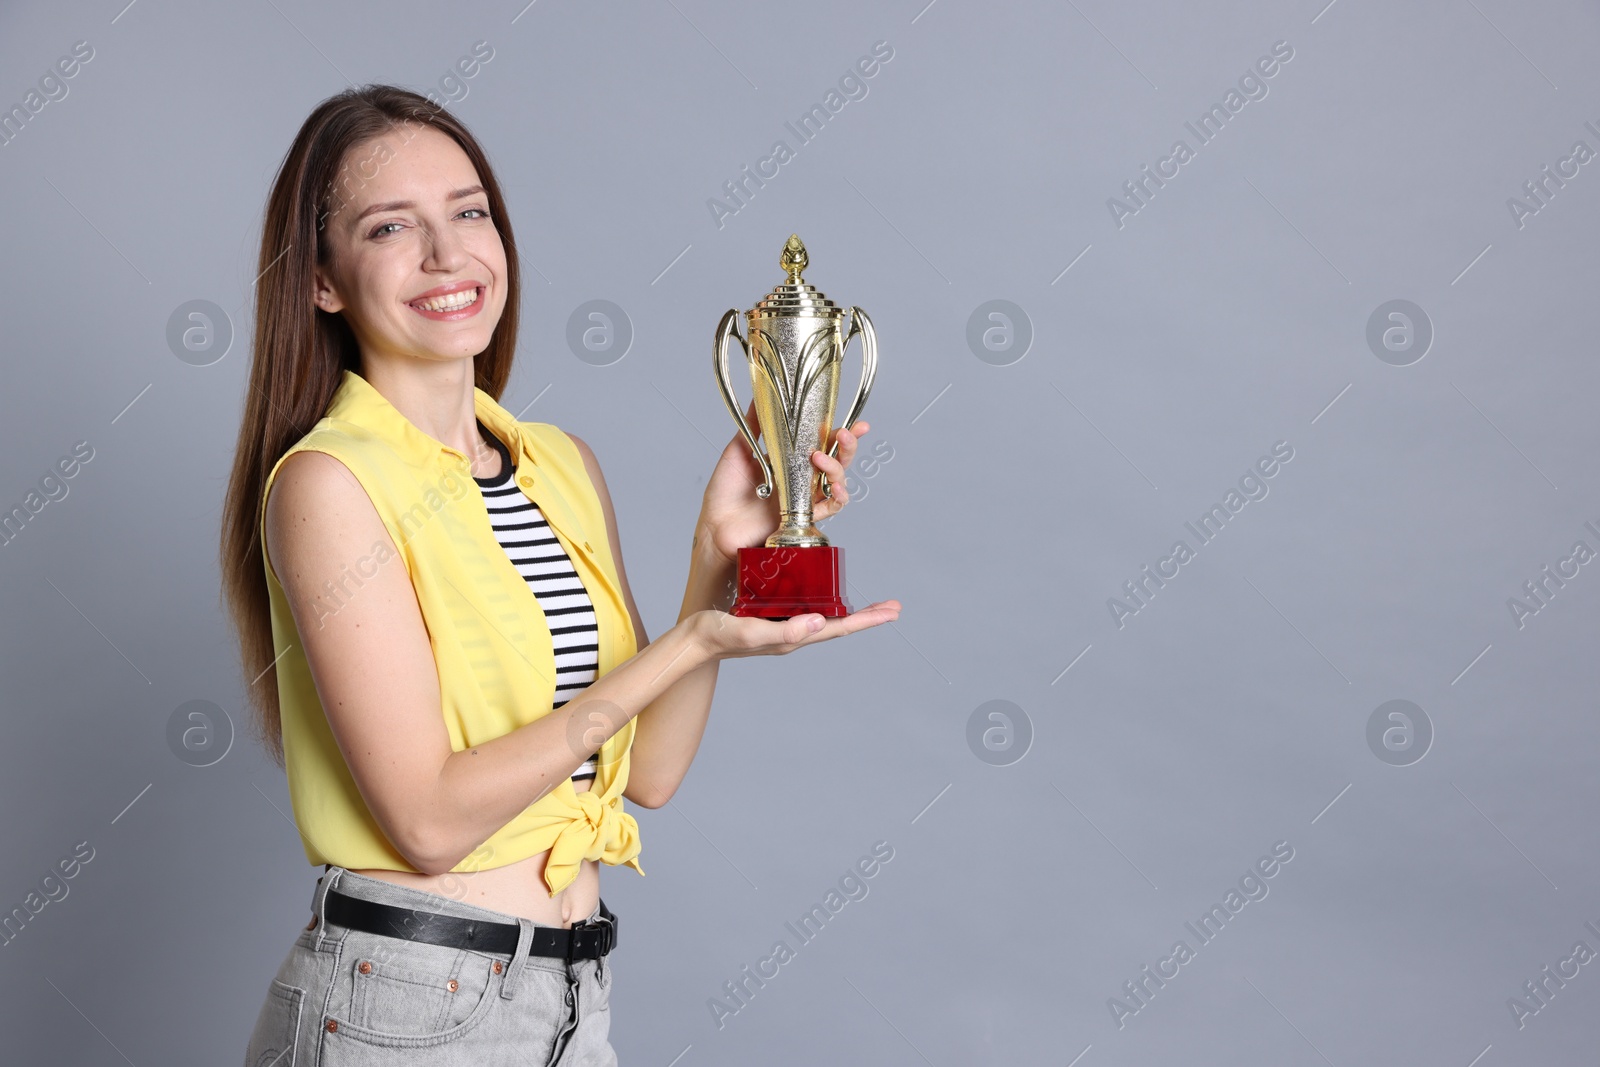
[(323, 293)]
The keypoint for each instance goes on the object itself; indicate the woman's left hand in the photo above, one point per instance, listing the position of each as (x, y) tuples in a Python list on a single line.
[(732, 516)]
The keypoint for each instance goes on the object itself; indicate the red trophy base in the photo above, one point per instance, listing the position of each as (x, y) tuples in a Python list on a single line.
[(780, 583)]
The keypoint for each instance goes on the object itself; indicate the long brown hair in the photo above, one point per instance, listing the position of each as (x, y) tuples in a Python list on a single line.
[(300, 351)]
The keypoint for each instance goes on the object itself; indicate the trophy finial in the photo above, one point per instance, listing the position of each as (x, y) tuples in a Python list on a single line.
[(794, 258)]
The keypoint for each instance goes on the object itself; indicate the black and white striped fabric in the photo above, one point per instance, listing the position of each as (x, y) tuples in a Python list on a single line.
[(532, 546)]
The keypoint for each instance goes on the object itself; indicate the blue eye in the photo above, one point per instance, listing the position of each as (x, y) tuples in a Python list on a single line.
[(379, 231)]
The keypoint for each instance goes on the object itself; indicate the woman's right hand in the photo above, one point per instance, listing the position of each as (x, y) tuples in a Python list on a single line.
[(726, 636)]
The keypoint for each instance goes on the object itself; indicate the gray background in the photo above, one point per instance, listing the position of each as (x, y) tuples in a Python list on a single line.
[(1229, 714)]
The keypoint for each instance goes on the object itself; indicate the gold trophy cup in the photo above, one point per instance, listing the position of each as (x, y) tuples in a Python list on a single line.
[(794, 344)]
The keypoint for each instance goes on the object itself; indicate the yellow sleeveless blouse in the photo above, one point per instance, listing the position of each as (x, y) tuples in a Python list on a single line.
[(491, 644)]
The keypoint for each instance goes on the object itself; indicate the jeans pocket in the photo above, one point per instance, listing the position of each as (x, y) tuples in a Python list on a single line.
[(277, 1027), (407, 994)]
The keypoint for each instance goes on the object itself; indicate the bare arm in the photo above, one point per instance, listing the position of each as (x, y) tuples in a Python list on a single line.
[(374, 670), (373, 666)]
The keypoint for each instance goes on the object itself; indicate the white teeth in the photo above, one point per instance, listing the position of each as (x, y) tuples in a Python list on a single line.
[(452, 302)]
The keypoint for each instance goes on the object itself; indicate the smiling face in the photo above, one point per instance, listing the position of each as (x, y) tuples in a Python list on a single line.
[(414, 262)]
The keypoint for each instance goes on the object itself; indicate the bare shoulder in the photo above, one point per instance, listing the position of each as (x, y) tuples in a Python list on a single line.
[(589, 460), (318, 477), (591, 463), (317, 512)]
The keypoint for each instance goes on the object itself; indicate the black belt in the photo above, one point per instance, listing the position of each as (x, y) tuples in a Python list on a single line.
[(586, 940)]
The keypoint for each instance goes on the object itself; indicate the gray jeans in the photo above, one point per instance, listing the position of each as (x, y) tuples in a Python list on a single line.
[(346, 998)]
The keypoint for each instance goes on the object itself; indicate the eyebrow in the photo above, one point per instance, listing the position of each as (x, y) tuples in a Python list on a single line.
[(398, 205)]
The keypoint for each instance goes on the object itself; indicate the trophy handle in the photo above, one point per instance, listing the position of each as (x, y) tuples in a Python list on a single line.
[(719, 362), (859, 323)]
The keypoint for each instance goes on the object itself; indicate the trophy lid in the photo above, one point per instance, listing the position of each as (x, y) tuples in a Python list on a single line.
[(795, 297)]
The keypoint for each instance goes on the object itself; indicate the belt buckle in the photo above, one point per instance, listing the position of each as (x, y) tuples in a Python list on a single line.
[(604, 929)]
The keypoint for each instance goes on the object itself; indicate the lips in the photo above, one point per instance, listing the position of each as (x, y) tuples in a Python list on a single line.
[(447, 288), (446, 303)]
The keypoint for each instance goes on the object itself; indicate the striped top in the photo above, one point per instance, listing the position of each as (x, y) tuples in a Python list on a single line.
[(533, 547)]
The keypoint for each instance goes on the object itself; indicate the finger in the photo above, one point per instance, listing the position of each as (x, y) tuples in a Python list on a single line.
[(872, 615), (800, 628), (832, 465), (838, 495), (754, 633), (881, 607), (847, 445)]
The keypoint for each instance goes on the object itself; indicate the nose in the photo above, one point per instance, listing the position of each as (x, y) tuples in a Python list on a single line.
[(445, 250)]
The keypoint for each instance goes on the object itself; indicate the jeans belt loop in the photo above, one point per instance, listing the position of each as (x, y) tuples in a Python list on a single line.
[(519, 957), (319, 900)]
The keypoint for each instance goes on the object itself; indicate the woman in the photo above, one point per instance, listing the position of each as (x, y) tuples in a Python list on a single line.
[(457, 749)]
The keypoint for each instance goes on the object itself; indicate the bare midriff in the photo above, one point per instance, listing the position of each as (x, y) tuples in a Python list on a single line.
[(516, 889)]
